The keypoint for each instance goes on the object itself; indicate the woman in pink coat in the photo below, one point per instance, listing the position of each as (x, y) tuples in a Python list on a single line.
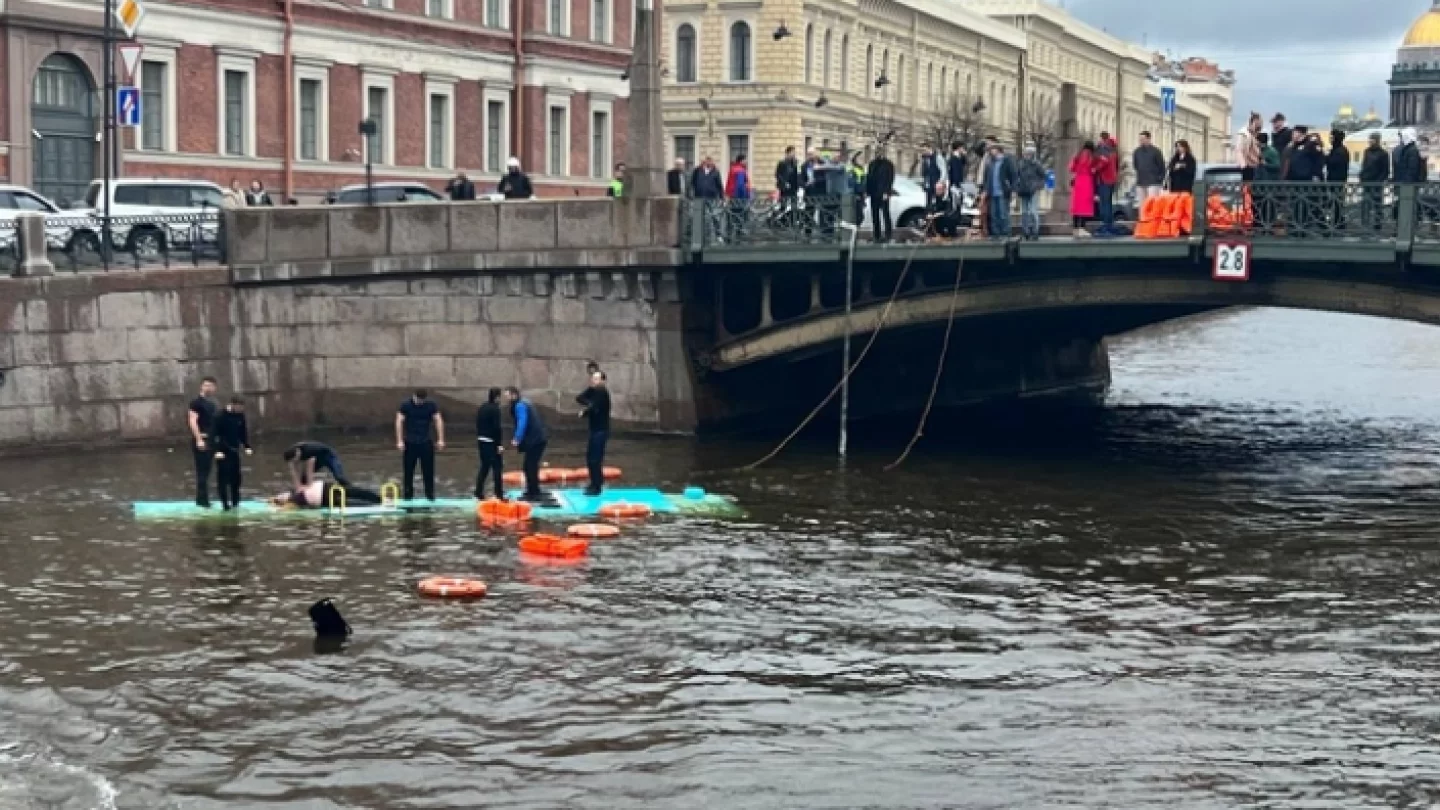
[(1082, 187)]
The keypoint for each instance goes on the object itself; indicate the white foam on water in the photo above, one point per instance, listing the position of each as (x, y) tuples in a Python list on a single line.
[(37, 780)]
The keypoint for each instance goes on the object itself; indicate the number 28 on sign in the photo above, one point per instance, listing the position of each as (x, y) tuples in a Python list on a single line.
[(1232, 261)]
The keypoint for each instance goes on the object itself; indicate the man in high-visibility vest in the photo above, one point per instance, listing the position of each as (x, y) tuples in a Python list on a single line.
[(617, 185)]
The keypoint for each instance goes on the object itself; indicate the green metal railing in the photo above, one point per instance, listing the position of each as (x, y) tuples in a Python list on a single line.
[(761, 222)]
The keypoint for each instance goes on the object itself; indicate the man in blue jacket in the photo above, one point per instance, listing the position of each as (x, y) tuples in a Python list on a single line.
[(530, 439)]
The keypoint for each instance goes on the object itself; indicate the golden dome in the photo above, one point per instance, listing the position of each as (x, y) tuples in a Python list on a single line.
[(1425, 33), (1346, 111)]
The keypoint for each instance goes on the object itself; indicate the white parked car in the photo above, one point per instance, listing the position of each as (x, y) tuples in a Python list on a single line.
[(63, 229), (150, 215), (907, 205)]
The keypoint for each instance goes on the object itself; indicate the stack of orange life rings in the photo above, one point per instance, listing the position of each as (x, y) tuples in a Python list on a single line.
[(513, 511), (453, 588)]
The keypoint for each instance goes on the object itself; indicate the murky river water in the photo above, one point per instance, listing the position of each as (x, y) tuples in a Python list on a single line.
[(1221, 589)]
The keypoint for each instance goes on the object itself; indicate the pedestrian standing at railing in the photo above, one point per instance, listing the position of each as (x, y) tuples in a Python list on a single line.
[(1265, 197), (1247, 147), (737, 190), (1181, 171), (879, 188), (709, 190), (1337, 174), (257, 195), (856, 175), (675, 183), (1149, 164), (1409, 164), (233, 196), (1306, 169), (1374, 173)]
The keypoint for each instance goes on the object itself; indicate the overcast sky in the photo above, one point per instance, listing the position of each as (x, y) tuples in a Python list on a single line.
[(1302, 64)]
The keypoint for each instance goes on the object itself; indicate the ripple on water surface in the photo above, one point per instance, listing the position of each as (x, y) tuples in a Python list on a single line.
[(1217, 590)]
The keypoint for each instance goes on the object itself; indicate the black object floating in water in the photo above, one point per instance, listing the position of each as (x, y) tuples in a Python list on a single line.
[(329, 624)]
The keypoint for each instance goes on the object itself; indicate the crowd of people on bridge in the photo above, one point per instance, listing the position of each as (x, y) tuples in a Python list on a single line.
[(220, 439)]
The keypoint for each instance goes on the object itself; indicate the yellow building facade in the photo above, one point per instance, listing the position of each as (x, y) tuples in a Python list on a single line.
[(845, 74)]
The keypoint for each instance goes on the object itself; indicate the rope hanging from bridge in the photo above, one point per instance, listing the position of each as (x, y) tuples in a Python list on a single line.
[(939, 370), (884, 316)]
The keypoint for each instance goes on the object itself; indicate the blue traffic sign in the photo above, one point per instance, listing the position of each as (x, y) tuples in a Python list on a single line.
[(1167, 101), (127, 106)]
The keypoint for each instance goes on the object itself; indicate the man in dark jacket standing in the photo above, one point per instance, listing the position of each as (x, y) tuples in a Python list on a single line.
[(460, 188), (931, 172), (1337, 175), (787, 177), (515, 185), (491, 444), (1374, 170), (1306, 165), (1281, 136), (1409, 164), (675, 179), (1149, 170), (957, 165), (879, 187), (595, 404), (999, 184)]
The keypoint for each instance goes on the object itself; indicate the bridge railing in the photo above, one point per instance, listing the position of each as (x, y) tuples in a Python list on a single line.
[(1303, 211), (764, 221), (75, 241)]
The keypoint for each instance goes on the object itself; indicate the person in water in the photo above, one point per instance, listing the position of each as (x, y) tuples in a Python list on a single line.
[(230, 439), (530, 439), (492, 445), (316, 495), (305, 458)]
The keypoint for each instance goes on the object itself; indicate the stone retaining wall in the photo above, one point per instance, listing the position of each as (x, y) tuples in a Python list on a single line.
[(117, 356)]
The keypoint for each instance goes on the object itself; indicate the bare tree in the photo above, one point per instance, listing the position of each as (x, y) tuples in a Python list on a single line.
[(957, 119), (1042, 131)]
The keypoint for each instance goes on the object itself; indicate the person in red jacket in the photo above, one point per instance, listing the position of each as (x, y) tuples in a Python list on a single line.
[(737, 190), (1107, 174)]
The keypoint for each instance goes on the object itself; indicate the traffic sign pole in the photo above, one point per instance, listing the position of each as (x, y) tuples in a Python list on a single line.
[(108, 138)]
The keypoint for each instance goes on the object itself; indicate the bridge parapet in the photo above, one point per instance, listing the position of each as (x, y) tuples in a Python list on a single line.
[(294, 242)]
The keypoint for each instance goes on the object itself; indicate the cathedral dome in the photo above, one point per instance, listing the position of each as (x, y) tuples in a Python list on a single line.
[(1425, 32)]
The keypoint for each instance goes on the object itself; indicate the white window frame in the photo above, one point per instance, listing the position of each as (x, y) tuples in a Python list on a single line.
[(440, 86), (382, 80), (730, 21), (447, 10), (606, 161), (166, 56), (504, 16), (314, 71), (676, 22), (232, 62), (564, 26), (555, 99), (498, 94), (387, 5), (609, 38)]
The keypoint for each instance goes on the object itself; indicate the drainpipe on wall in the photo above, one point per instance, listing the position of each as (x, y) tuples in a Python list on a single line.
[(289, 138), (517, 18)]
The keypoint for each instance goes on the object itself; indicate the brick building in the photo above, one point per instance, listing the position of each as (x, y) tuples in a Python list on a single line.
[(451, 84)]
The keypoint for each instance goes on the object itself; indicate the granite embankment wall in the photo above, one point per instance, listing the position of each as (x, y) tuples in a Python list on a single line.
[(116, 356)]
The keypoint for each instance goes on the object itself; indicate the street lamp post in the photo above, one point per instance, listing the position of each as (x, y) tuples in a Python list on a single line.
[(854, 229), (368, 130)]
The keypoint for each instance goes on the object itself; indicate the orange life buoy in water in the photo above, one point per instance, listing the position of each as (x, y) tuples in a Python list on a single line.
[(453, 588), (612, 473), (504, 510), (548, 545), (595, 530), (625, 510), (514, 479)]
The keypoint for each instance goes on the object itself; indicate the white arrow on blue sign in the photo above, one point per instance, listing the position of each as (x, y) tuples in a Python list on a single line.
[(1167, 101), (127, 106)]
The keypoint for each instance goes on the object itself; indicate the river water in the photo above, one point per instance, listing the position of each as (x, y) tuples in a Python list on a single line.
[(1220, 588)]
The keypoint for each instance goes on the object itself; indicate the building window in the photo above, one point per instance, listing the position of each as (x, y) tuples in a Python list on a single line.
[(377, 109), (685, 48), (740, 52), (237, 112), (310, 92), (558, 12), (494, 136), (439, 140), (153, 88), (828, 75), (559, 142), (436, 8), (845, 62), (685, 149), (600, 25), (900, 78), (809, 54), (870, 76), (493, 18), (599, 143), (737, 146)]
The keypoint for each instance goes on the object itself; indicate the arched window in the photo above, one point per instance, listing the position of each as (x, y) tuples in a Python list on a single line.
[(740, 52), (845, 62), (809, 54), (685, 54), (869, 67), (825, 63)]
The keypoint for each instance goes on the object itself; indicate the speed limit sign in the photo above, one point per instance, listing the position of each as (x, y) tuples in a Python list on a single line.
[(1232, 261)]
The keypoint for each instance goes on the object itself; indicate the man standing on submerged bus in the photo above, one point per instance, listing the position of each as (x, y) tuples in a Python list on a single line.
[(202, 424), (530, 439), (595, 404)]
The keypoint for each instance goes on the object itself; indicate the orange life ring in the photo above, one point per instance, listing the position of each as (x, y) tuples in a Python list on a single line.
[(548, 545), (595, 530), (612, 473), (514, 479), (504, 510), (625, 510), (453, 588)]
